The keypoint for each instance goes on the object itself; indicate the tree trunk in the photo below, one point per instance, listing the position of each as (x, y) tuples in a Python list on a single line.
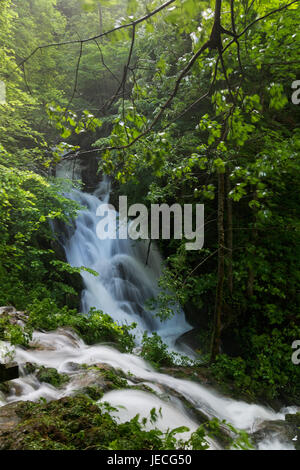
[(229, 235), (216, 339), (251, 272)]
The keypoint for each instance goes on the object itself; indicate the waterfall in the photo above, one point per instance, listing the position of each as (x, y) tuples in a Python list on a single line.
[(123, 283), (127, 273)]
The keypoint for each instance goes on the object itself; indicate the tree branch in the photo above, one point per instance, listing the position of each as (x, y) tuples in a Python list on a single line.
[(76, 77), (214, 42), (98, 36), (257, 20)]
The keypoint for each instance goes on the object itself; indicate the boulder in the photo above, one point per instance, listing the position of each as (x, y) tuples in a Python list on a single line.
[(8, 417)]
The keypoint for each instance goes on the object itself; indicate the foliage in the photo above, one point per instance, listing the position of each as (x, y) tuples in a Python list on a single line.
[(232, 370), (245, 129), (79, 423), (161, 143), (13, 333), (158, 354), (155, 351), (28, 205), (51, 376), (93, 328)]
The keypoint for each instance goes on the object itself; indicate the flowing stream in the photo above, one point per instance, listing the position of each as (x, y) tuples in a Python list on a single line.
[(124, 282), (127, 273)]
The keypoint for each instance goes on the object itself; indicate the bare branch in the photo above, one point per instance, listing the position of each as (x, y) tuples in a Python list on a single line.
[(76, 77), (198, 100), (234, 34), (104, 64), (25, 80)]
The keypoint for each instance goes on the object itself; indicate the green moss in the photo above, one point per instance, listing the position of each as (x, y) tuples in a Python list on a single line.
[(115, 381), (52, 377), (93, 391), (113, 378), (15, 334), (75, 423)]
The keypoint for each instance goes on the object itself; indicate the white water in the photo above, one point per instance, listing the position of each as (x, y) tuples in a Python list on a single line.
[(123, 284), (63, 349)]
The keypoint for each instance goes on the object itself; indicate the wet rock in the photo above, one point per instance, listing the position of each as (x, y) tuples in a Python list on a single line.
[(88, 378), (8, 418), (105, 377), (14, 317), (198, 315), (16, 389), (7, 310), (29, 368), (189, 339), (294, 421), (4, 388), (281, 430), (69, 333), (44, 342), (72, 367), (90, 175)]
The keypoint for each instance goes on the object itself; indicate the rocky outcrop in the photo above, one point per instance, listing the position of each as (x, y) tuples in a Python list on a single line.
[(294, 422), (8, 418), (15, 317)]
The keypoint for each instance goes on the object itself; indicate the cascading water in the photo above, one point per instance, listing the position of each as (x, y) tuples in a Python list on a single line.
[(63, 350), (128, 274), (123, 284)]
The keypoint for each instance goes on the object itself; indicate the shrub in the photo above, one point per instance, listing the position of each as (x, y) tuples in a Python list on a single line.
[(155, 350), (97, 327)]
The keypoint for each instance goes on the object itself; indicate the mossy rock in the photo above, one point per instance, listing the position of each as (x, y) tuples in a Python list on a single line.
[(294, 421), (72, 423), (93, 391), (51, 376), (114, 380), (111, 379), (46, 374)]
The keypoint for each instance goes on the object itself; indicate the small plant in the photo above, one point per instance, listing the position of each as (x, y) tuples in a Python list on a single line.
[(7, 353), (156, 351), (13, 333), (232, 369)]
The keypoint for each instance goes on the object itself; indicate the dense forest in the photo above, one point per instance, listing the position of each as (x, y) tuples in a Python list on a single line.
[(165, 102)]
